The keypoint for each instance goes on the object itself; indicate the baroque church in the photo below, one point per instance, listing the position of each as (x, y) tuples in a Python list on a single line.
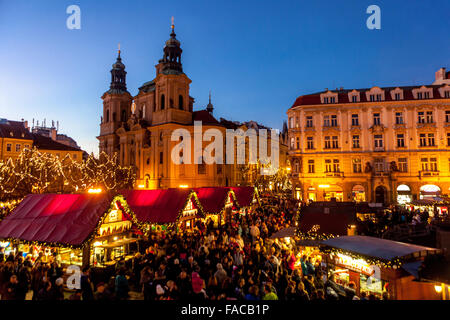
[(138, 129)]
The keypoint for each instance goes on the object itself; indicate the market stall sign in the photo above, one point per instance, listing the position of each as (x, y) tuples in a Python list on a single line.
[(358, 265)]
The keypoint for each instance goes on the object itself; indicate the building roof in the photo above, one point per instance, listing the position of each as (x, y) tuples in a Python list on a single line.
[(205, 117), (314, 98), (14, 130), (376, 247), (64, 219), (46, 143)]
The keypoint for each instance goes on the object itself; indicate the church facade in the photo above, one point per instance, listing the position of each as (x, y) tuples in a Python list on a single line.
[(138, 128)]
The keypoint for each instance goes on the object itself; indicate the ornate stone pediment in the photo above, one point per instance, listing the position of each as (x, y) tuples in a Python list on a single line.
[(377, 128)]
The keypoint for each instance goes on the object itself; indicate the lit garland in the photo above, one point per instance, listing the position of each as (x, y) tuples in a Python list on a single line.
[(36, 172), (394, 263)]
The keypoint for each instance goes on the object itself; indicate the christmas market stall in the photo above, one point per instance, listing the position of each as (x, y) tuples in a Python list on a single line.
[(218, 204), (377, 265), (247, 199), (163, 209), (74, 229)]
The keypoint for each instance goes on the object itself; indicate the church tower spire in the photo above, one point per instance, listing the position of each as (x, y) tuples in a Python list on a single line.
[(118, 76), (210, 106), (171, 61)]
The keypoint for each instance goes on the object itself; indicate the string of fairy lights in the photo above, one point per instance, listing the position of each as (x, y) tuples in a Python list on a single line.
[(36, 172)]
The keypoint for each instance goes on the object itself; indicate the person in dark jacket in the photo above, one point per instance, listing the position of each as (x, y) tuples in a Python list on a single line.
[(86, 285), (10, 291), (121, 285)]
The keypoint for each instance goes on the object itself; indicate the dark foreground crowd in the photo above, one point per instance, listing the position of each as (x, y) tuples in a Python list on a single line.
[(238, 261)]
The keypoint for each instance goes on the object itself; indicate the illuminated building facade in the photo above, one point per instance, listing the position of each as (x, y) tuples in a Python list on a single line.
[(15, 136), (138, 129), (379, 145)]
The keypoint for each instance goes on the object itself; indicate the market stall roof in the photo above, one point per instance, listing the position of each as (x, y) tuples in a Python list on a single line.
[(245, 195), (60, 219), (212, 199), (376, 247), (327, 219), (157, 206), (288, 232)]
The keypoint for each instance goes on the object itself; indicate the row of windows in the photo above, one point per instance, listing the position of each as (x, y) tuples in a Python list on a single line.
[(427, 164), (18, 147), (332, 120), (332, 142), (379, 97)]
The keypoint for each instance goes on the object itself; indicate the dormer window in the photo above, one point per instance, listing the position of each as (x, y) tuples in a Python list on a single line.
[(423, 93), (329, 97), (397, 94), (375, 94), (353, 96), (444, 91)]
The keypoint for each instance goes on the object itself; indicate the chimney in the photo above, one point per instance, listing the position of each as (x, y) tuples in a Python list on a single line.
[(53, 134), (441, 77)]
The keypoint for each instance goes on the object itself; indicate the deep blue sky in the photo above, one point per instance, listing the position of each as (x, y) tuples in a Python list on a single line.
[(255, 56)]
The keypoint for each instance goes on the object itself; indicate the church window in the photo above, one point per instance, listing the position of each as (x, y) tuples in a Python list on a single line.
[(107, 115), (180, 102), (163, 101)]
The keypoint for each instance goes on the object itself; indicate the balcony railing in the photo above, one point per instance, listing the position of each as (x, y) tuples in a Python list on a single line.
[(334, 174), (428, 173)]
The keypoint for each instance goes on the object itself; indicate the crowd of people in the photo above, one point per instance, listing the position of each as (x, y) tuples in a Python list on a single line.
[(235, 261)]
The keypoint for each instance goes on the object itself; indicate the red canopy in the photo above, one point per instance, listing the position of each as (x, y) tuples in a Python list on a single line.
[(67, 219), (156, 206), (244, 195), (212, 199)]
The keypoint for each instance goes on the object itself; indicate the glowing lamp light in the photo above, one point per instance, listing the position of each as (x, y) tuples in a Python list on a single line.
[(324, 186), (97, 243), (99, 190), (184, 186), (438, 289), (288, 169), (141, 186)]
